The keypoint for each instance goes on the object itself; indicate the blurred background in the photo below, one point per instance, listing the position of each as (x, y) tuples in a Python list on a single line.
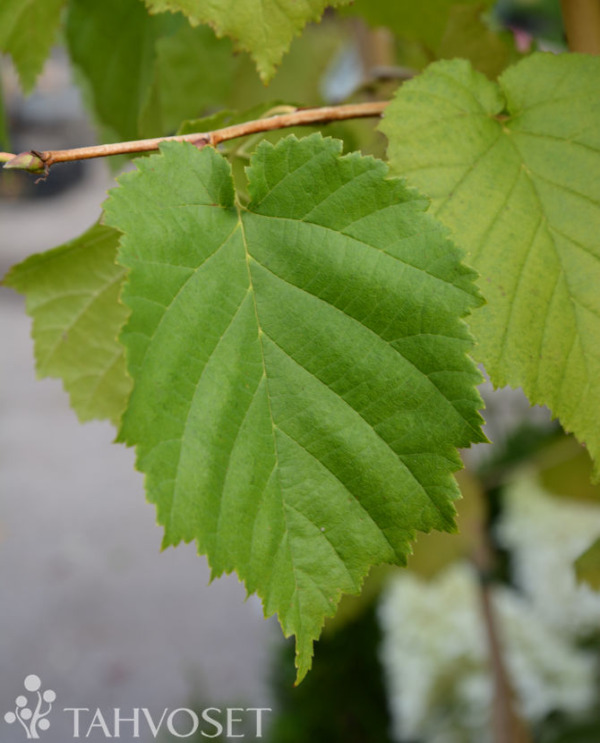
[(91, 605)]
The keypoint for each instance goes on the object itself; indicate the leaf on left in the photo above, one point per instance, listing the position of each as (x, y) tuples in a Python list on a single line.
[(144, 73), (72, 294), (27, 32)]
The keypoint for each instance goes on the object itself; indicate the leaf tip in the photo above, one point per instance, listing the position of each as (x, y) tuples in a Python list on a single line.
[(303, 661)]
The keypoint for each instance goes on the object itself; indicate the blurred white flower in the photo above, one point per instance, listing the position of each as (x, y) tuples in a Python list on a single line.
[(545, 535), (436, 658)]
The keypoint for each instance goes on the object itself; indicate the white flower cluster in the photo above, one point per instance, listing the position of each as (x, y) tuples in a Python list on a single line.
[(546, 534), (435, 651)]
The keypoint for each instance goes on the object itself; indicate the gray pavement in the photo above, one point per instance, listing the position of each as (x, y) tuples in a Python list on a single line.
[(88, 602)]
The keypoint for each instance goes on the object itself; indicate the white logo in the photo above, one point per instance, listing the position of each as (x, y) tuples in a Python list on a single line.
[(32, 714), (32, 710)]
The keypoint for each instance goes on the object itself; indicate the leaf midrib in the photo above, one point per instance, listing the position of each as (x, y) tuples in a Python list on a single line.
[(271, 418), (274, 426)]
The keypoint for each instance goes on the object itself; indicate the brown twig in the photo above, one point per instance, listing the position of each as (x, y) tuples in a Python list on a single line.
[(582, 25), (35, 161), (507, 725)]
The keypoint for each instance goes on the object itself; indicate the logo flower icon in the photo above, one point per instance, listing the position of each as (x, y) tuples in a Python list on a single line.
[(32, 718)]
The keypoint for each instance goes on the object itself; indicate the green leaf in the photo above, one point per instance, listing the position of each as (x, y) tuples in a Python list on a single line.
[(467, 36), (299, 78), (227, 117), (27, 32), (73, 297), (512, 169), (565, 469), (4, 133), (113, 44), (146, 73), (183, 86), (265, 28), (425, 21), (587, 566), (300, 377), (238, 151)]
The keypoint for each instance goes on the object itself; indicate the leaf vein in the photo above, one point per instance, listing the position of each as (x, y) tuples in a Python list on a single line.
[(372, 332), (93, 297), (344, 486)]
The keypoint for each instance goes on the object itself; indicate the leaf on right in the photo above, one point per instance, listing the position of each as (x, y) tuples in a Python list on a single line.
[(587, 566), (513, 168)]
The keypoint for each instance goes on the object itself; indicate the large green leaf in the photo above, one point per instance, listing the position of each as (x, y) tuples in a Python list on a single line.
[(265, 28), (27, 32), (513, 168), (73, 297), (300, 377)]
